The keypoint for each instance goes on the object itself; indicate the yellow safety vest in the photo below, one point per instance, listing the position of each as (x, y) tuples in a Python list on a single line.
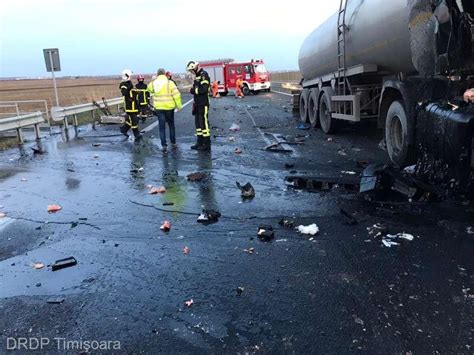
[(166, 95)]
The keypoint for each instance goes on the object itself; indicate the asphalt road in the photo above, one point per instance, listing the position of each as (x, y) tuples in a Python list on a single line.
[(341, 291)]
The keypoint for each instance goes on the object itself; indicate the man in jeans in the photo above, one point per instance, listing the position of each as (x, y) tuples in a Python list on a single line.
[(166, 98)]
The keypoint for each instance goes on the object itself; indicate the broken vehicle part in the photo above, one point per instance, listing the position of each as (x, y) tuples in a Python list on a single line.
[(321, 183), (287, 222), (265, 232), (208, 216), (64, 263), (247, 191), (197, 176), (166, 226)]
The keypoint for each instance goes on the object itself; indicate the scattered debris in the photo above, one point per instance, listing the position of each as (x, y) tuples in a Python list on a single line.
[(289, 165), (197, 176), (312, 229), (239, 290), (96, 144), (324, 183), (329, 139), (96, 156), (38, 284), (401, 236), (64, 263), (388, 243), (3, 214), (281, 240), (168, 203), (377, 230), (287, 223), (249, 250), (358, 321), (166, 226), (137, 170), (157, 190), (54, 208), (186, 250), (37, 150), (38, 266), (208, 216), (342, 152), (348, 172), (23, 179), (234, 127), (304, 126), (238, 151), (231, 139), (410, 169), (265, 232), (246, 191), (274, 147), (55, 300), (189, 303), (470, 230)]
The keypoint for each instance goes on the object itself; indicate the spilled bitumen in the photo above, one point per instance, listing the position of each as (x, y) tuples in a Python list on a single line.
[(341, 292)]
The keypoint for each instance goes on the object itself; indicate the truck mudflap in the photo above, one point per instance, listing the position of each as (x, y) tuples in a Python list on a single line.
[(445, 138)]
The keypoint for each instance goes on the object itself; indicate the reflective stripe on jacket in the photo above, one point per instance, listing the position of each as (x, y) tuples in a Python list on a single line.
[(166, 95)]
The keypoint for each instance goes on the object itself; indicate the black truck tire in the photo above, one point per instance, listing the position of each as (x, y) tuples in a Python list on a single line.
[(328, 124), (313, 107), (245, 90), (304, 105), (398, 134)]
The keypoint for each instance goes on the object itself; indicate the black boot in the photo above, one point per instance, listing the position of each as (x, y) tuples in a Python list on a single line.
[(206, 144), (198, 143)]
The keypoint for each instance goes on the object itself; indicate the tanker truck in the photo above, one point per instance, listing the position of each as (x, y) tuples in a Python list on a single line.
[(402, 63)]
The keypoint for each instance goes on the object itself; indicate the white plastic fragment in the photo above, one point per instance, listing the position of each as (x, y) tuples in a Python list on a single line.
[(234, 127), (312, 229), (389, 243)]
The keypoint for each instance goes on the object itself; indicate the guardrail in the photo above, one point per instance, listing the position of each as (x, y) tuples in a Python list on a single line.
[(20, 121), (63, 113)]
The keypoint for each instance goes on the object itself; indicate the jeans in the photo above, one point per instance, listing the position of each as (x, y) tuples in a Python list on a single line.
[(166, 117)]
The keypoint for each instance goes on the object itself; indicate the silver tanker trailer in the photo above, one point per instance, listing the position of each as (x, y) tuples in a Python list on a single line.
[(404, 63)]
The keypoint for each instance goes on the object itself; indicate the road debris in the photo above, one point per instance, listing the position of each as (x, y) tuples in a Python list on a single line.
[(246, 191), (23, 179), (238, 151), (64, 263), (289, 165), (55, 300), (208, 216), (168, 203), (470, 230), (231, 139), (166, 226), (323, 183), (137, 170), (405, 236), (249, 250), (311, 229), (38, 266), (389, 243), (189, 303), (186, 250), (197, 176), (3, 214), (265, 232), (239, 290), (351, 220), (330, 139), (287, 222), (234, 127), (342, 152), (348, 172), (303, 126), (157, 190), (54, 208), (377, 230)]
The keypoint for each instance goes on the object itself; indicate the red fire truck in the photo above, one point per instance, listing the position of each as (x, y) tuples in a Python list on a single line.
[(226, 71)]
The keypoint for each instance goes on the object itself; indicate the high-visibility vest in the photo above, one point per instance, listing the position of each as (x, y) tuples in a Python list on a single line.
[(166, 95)]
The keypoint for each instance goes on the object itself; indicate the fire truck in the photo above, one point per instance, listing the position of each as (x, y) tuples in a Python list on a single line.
[(226, 71)]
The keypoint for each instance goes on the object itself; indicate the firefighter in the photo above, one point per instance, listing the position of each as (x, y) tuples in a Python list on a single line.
[(166, 98), (238, 88), (215, 89), (130, 99), (200, 90), (170, 77), (143, 97)]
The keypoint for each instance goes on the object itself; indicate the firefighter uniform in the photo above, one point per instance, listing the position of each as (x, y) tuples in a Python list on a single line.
[(143, 98), (130, 99), (200, 90)]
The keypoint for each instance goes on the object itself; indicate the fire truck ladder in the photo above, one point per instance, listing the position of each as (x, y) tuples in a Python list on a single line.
[(341, 56)]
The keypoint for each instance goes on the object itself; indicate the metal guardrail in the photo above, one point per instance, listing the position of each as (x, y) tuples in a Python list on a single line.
[(20, 121)]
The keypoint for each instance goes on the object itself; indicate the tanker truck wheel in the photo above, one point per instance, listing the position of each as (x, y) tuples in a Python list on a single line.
[(325, 116), (397, 133), (304, 105), (313, 107)]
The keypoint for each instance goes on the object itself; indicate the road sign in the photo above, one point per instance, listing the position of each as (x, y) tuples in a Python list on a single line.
[(51, 59)]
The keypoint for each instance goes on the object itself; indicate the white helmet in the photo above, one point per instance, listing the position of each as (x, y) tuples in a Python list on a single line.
[(127, 74), (192, 66)]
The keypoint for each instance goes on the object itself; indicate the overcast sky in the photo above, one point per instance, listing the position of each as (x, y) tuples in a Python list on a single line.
[(102, 37)]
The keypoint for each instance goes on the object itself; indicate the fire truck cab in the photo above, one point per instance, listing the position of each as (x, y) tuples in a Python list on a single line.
[(253, 73)]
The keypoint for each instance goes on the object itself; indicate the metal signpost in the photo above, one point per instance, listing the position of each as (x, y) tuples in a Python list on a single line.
[(51, 59)]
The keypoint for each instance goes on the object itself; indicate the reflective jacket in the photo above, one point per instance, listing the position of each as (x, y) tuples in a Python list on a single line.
[(200, 88), (129, 96), (166, 95), (143, 94)]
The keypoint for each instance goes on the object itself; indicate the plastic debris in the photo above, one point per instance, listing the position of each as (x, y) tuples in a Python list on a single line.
[(239, 290), (341, 152), (348, 172), (208, 216), (329, 139), (55, 300), (410, 169), (389, 243), (265, 232), (287, 223), (197, 176), (312, 229), (96, 156), (157, 190), (249, 250), (186, 250), (303, 126), (234, 127), (401, 236), (231, 139), (3, 215), (470, 230), (23, 179), (189, 303), (38, 266), (238, 151), (166, 226), (54, 208), (64, 263), (377, 230), (247, 190)]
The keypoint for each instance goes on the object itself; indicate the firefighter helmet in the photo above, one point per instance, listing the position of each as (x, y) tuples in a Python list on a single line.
[(168, 74), (192, 66), (126, 74), (140, 77)]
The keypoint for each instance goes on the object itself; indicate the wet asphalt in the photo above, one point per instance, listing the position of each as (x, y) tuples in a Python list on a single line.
[(339, 292)]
